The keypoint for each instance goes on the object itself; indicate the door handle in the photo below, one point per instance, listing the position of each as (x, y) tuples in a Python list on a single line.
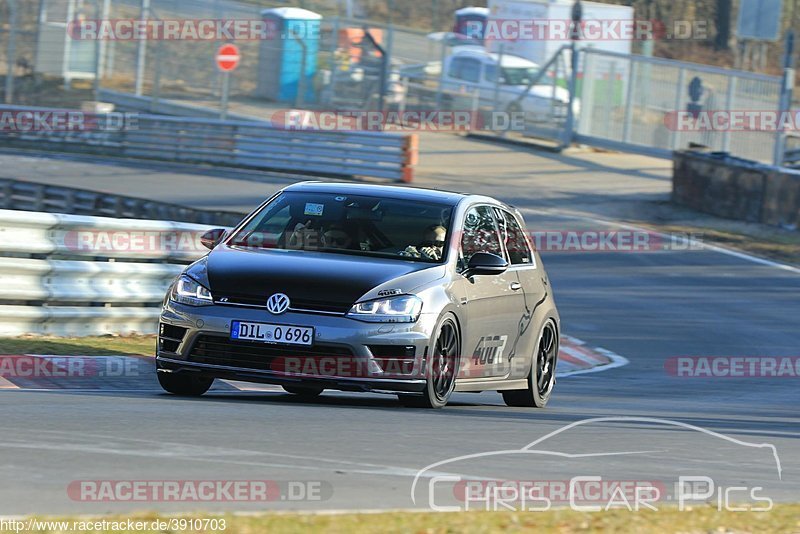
[(515, 286)]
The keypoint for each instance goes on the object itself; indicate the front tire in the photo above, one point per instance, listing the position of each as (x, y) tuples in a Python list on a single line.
[(183, 384), (441, 368), (542, 376)]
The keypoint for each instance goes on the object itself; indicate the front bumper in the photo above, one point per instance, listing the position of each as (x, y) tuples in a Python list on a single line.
[(376, 385), (347, 354)]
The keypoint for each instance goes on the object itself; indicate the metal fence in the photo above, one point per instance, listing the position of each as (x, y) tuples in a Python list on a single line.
[(626, 102), (247, 144), (623, 99), (43, 53), (47, 198), (75, 275)]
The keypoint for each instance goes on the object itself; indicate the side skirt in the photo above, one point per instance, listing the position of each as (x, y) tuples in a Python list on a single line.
[(490, 384)]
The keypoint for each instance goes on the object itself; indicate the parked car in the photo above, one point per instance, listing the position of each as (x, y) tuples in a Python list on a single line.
[(472, 68)]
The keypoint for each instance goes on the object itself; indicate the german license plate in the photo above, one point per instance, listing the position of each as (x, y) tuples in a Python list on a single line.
[(272, 333)]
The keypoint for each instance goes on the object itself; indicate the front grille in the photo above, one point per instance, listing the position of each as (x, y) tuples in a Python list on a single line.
[(321, 305), (218, 350), (311, 305)]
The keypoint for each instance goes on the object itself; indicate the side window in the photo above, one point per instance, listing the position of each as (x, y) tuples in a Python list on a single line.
[(456, 66), (490, 72), (519, 251), (479, 235), (471, 70), (464, 68)]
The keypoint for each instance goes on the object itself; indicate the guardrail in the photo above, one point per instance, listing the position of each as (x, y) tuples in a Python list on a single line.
[(257, 145), (77, 275), (19, 195), (146, 104)]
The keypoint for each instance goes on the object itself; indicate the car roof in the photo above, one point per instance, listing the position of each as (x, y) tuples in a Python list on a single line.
[(388, 191), (480, 53)]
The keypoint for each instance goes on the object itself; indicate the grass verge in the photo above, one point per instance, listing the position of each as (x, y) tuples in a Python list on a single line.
[(779, 246), (782, 518), (80, 346)]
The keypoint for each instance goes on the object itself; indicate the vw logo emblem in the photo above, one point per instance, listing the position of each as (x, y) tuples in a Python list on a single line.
[(278, 304)]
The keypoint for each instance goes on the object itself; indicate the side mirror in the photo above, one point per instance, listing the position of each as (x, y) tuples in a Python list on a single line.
[(485, 263), (212, 238)]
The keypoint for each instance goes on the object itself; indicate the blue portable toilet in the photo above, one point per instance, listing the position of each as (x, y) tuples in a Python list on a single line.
[(471, 21), (289, 29)]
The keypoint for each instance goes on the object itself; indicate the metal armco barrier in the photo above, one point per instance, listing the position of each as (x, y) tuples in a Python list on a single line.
[(16, 194), (76, 275), (145, 104), (257, 145)]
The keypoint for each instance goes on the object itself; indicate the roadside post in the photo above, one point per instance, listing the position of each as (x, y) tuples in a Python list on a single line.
[(228, 58), (575, 35), (11, 51), (141, 50), (785, 99)]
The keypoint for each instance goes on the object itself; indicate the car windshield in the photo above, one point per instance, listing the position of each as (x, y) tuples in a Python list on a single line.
[(519, 75), (350, 224)]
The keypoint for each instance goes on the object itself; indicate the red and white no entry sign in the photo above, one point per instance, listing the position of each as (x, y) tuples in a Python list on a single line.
[(228, 57)]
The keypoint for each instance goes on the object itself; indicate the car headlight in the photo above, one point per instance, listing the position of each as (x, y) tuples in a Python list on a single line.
[(188, 291), (401, 309)]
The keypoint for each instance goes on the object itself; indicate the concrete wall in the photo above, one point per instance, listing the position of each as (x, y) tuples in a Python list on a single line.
[(736, 189)]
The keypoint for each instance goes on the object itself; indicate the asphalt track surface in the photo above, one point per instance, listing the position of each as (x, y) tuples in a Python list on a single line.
[(366, 450)]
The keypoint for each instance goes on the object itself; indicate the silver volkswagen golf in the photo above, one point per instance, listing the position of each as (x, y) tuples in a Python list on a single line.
[(349, 287)]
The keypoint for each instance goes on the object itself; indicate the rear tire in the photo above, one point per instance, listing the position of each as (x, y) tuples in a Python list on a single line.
[(542, 376), (183, 384), (442, 368), (303, 391)]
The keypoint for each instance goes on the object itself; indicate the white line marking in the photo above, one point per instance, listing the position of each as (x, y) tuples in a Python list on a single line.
[(715, 248), (246, 387), (115, 446)]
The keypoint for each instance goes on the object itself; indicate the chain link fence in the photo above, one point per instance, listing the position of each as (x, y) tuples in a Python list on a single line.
[(348, 66), (623, 101), (635, 101), (18, 45)]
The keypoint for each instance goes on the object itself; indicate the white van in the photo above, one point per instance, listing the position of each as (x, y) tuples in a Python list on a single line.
[(471, 68)]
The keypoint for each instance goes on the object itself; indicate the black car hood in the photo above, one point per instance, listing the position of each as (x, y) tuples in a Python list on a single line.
[(311, 280)]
